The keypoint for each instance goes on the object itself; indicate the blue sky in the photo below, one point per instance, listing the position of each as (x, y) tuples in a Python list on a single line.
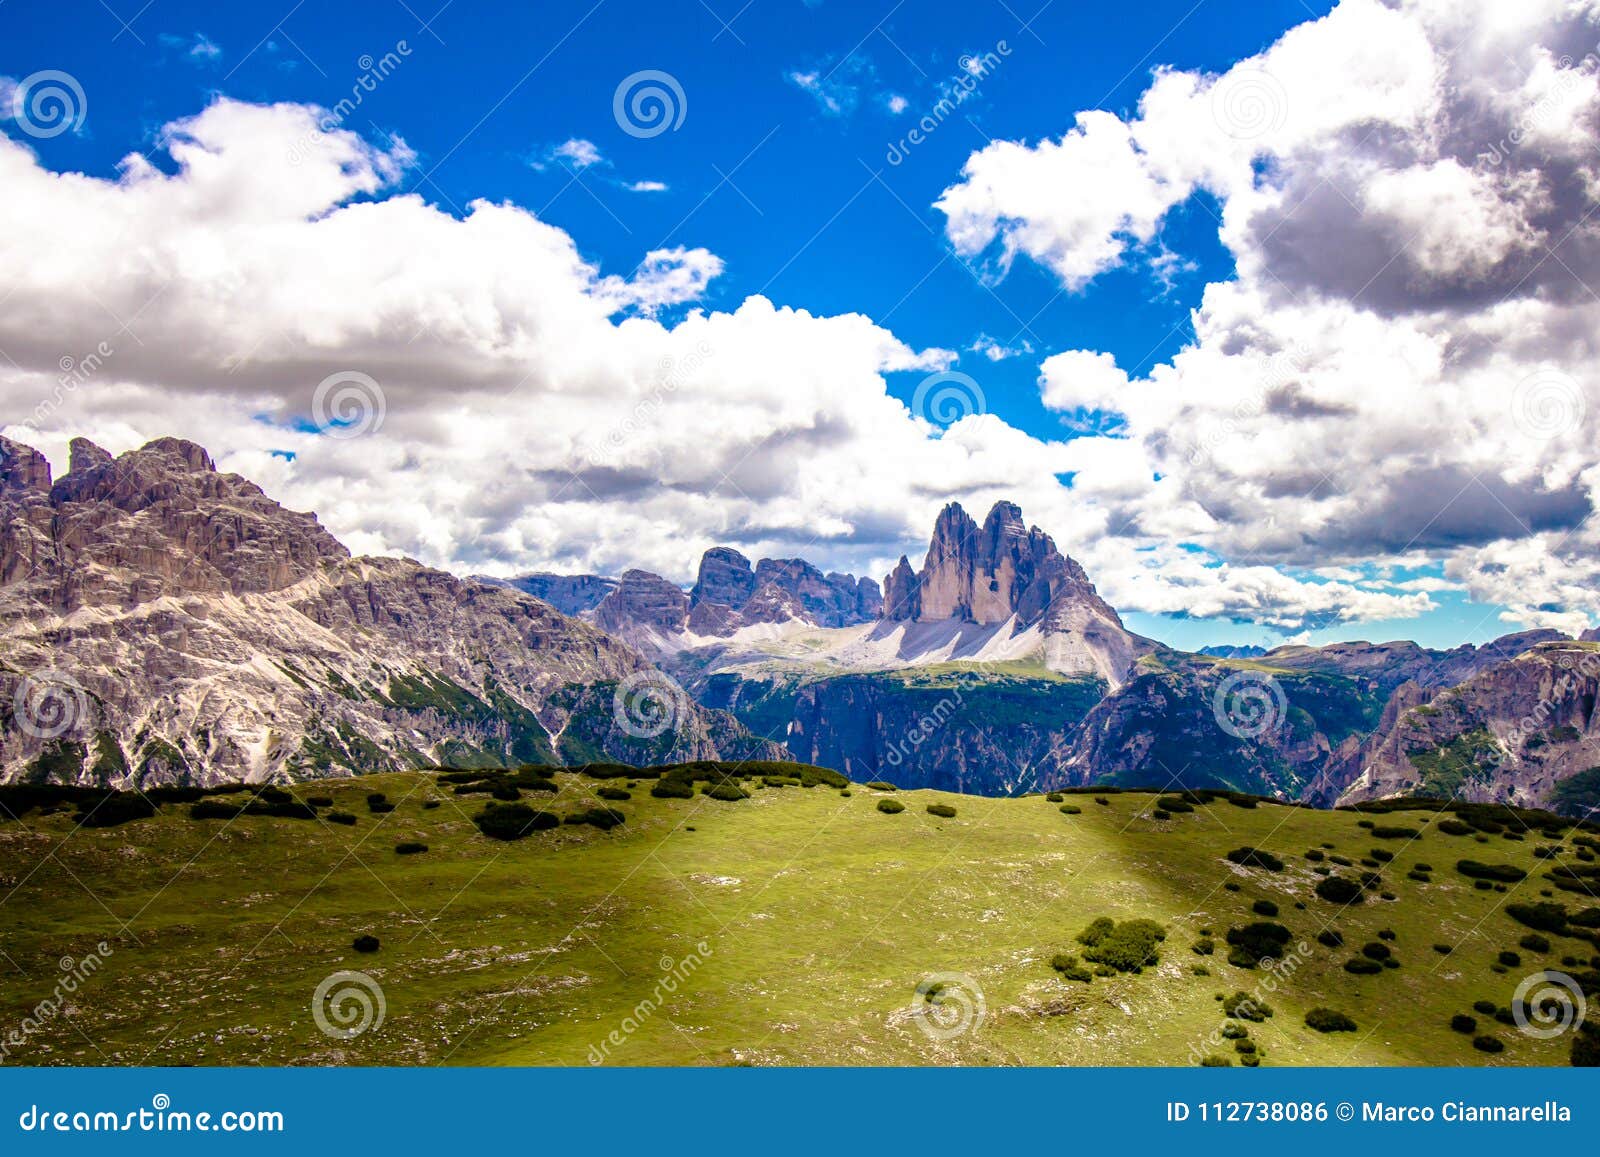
[(757, 171), (792, 162)]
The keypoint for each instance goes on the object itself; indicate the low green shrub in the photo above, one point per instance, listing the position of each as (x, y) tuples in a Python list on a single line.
[(1316, 856), (1128, 946), (882, 785), (1264, 908), (942, 810), (1510, 959), (1071, 809), (1505, 873), (340, 818), (1488, 1044), (1361, 966), (614, 793), (673, 789), (513, 821), (891, 807), (1464, 1024), (604, 818), (365, 944), (1453, 828), (410, 848), (1213, 1061), (1541, 916), (1070, 968), (727, 792), (1533, 942), (1243, 1006), (1396, 833), (319, 800), (1339, 890), (1486, 1007), (1054, 797), (1330, 938), (1232, 1031), (1253, 943), (1249, 857), (1443, 949), (1329, 1020), (1205, 946)]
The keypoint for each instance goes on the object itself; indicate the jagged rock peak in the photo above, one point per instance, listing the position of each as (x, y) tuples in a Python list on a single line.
[(643, 599), (86, 455), (22, 467), (900, 601), (191, 454), (725, 577), (986, 574)]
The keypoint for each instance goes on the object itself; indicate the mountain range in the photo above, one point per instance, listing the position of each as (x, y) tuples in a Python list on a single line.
[(166, 623)]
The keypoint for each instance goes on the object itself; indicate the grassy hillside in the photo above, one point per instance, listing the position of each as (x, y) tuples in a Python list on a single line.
[(795, 927)]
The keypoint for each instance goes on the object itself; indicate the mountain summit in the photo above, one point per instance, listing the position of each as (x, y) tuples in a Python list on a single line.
[(162, 622), (1008, 573)]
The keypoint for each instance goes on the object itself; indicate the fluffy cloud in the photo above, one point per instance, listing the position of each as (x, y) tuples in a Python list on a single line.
[(535, 410), (1404, 360)]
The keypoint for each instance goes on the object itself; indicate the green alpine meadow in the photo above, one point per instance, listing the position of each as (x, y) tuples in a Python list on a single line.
[(777, 914)]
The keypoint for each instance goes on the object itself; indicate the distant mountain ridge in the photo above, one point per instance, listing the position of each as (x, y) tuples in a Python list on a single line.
[(162, 622)]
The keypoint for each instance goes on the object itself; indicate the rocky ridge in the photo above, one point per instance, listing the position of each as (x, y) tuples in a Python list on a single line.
[(163, 622)]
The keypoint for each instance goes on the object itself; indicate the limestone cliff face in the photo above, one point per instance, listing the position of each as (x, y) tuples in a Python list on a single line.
[(1516, 731), (1005, 572), (643, 601), (161, 622), (571, 594)]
